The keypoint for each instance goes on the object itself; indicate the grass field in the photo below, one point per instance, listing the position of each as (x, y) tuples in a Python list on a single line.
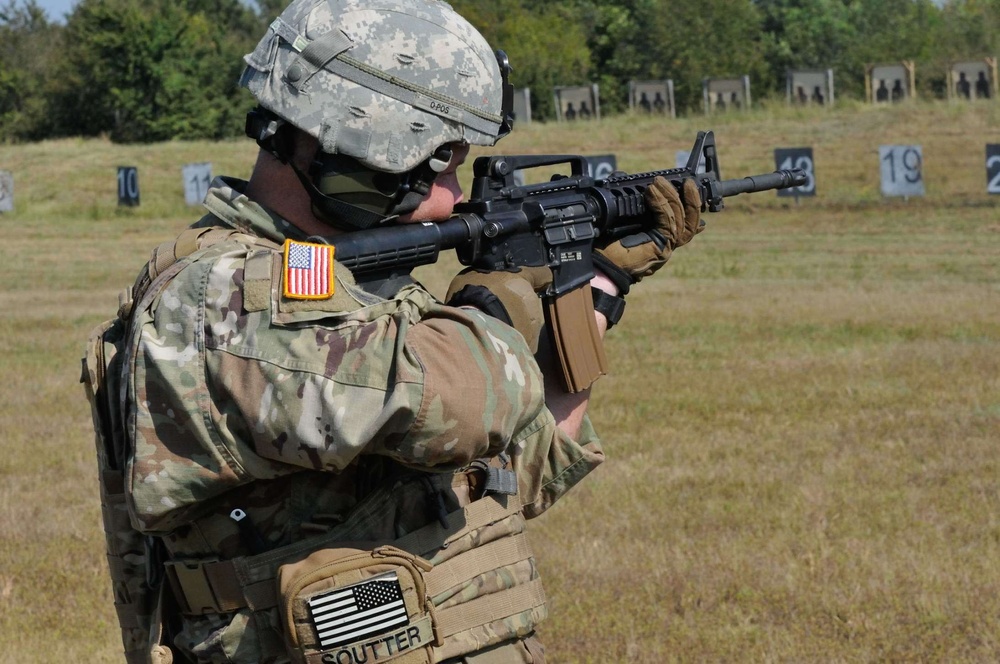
[(802, 422)]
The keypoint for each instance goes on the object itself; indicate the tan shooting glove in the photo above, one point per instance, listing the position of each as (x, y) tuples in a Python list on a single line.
[(511, 297), (677, 219)]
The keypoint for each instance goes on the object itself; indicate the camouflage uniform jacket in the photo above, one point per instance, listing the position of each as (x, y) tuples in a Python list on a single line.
[(237, 397)]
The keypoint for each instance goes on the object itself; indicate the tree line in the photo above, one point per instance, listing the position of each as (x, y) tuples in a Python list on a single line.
[(151, 70)]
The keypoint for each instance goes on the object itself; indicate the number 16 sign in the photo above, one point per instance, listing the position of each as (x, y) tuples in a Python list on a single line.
[(902, 170)]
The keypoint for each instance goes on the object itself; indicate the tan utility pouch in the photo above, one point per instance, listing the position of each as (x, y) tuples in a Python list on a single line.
[(355, 605)]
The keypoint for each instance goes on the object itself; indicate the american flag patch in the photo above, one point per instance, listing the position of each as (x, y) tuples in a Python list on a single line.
[(365, 609), (308, 270)]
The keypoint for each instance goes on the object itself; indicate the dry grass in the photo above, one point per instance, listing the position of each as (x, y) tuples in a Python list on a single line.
[(802, 423)]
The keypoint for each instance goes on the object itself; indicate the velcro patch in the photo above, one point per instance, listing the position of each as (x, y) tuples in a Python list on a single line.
[(357, 612), (308, 271)]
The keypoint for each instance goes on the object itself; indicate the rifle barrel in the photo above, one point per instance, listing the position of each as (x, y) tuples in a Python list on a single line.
[(784, 179)]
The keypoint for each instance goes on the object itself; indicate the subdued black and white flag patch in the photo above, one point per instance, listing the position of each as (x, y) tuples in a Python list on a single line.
[(346, 615)]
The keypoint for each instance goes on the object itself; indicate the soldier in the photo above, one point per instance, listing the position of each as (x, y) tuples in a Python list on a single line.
[(326, 471)]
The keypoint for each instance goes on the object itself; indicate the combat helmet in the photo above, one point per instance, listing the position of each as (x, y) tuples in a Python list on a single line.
[(384, 86)]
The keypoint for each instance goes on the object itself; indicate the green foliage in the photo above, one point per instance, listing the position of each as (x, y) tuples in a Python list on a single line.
[(139, 70), (152, 71), (684, 41), (806, 35), (715, 38), (971, 27), (546, 45), (27, 44)]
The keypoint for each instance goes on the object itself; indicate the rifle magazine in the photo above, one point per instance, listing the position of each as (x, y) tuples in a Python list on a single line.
[(577, 342)]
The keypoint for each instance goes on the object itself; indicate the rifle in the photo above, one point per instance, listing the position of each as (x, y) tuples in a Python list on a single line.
[(505, 225)]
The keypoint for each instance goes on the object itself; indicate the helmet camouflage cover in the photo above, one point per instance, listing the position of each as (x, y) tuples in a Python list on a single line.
[(386, 82)]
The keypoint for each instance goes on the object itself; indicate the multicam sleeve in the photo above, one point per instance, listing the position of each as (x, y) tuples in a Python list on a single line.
[(549, 463), (409, 378), (481, 386)]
